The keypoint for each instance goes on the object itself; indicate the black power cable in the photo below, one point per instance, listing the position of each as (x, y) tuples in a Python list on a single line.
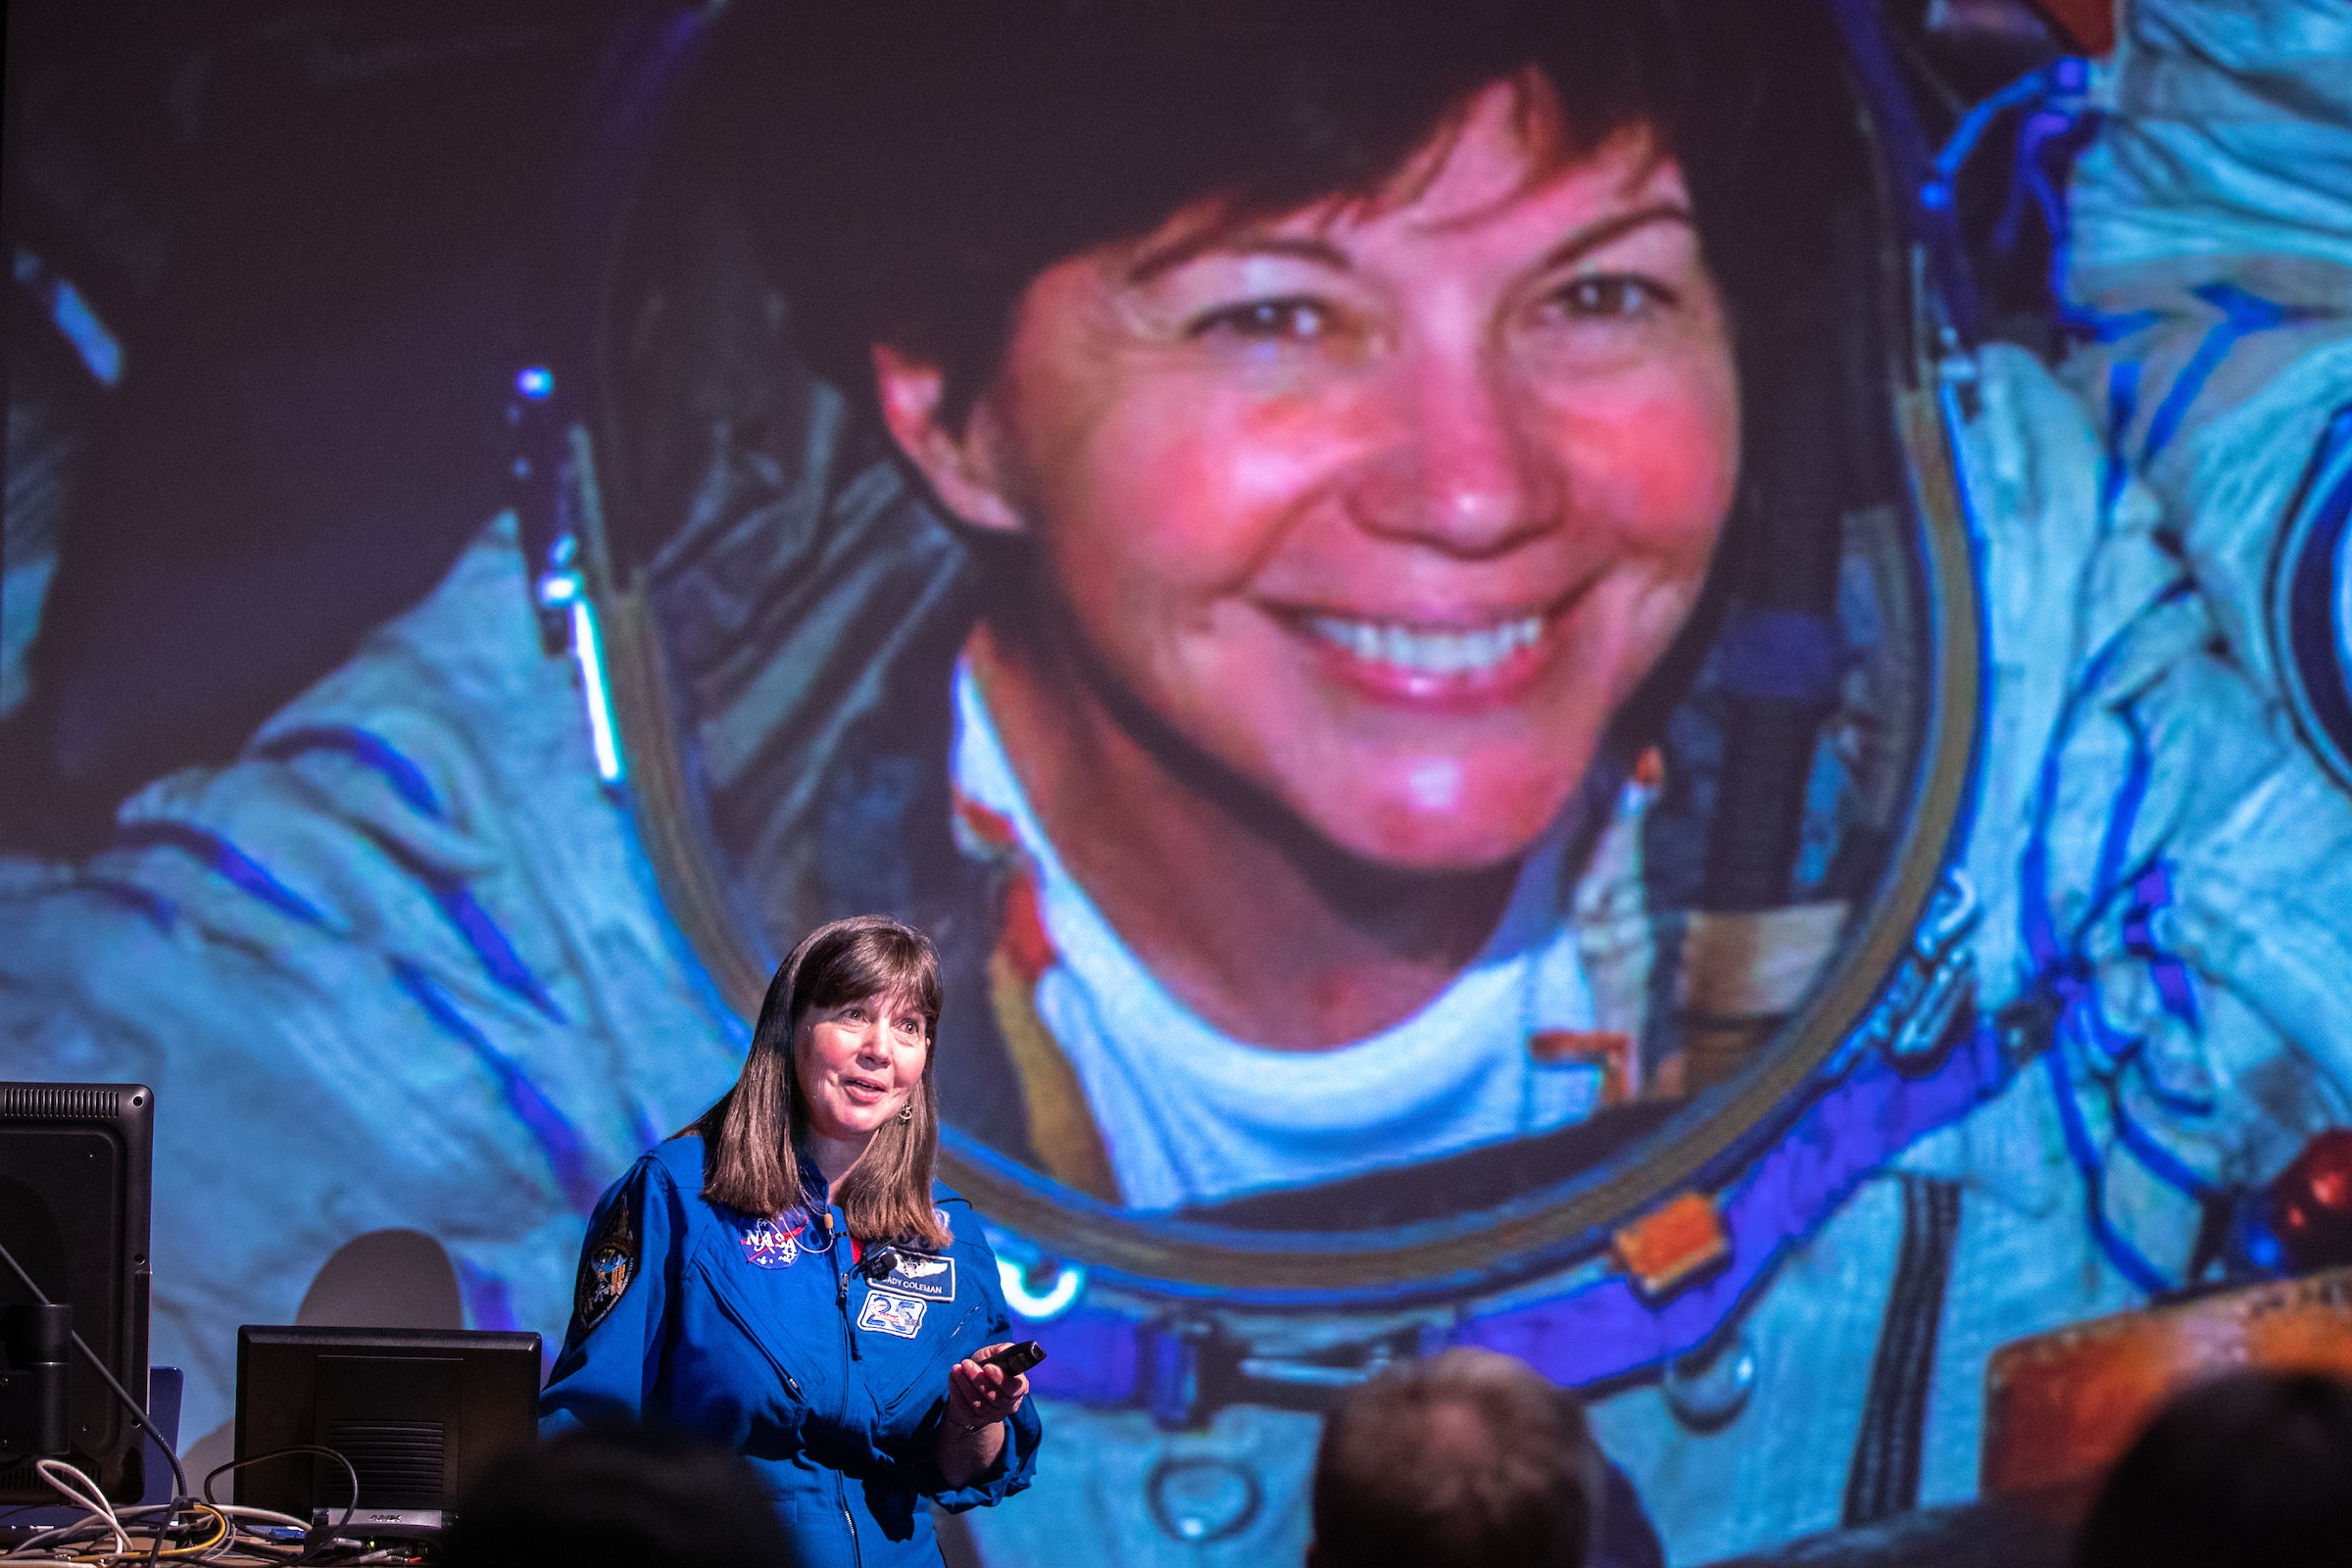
[(180, 1476), (289, 1451)]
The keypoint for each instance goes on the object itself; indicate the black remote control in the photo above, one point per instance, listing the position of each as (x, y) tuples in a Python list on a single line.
[(1015, 1359)]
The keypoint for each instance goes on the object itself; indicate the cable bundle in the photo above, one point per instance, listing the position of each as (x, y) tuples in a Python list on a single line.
[(223, 1534)]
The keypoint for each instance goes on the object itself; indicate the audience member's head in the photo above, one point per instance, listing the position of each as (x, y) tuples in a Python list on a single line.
[(619, 1494), (1469, 1457), (2254, 1468)]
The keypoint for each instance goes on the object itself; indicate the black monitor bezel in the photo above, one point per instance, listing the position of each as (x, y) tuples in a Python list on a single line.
[(260, 1429), (116, 1458)]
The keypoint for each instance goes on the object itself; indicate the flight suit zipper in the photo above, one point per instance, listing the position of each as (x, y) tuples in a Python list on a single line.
[(727, 1310), (840, 1498), (849, 1341)]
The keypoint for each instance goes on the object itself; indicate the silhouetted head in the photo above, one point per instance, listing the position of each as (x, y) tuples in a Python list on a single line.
[(619, 1494), (2252, 1469), (1467, 1459)]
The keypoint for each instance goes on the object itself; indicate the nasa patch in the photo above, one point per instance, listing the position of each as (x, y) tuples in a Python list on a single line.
[(768, 1244), (607, 1265), (892, 1315), (925, 1276)]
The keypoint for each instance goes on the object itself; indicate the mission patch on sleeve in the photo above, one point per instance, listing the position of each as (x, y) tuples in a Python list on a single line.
[(608, 1265)]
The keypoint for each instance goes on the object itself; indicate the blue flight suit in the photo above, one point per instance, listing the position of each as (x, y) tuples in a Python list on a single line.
[(833, 1387)]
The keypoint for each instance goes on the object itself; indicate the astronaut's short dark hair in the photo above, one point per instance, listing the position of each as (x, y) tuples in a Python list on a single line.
[(917, 163), (1467, 1459)]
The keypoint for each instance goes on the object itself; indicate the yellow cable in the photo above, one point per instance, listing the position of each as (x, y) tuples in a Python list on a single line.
[(193, 1547)]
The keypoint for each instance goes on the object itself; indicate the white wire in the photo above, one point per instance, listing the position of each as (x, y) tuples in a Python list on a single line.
[(226, 1544), (29, 1542), (93, 1501), (96, 1509), (44, 1554), (235, 1510), (33, 1548)]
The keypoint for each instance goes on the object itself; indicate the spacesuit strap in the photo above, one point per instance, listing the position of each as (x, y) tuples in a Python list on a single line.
[(1600, 1328), (1742, 972), (1063, 1133), (1609, 1327), (1616, 932)]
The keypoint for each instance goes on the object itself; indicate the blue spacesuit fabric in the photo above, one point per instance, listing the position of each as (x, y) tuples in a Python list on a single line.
[(735, 1328)]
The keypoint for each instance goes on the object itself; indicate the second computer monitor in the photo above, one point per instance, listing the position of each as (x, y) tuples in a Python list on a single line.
[(418, 1412)]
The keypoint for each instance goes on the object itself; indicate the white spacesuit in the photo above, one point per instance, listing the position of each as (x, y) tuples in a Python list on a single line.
[(403, 964), (2130, 548)]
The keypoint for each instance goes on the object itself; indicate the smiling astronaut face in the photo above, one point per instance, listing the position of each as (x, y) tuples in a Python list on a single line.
[(1385, 507), (1296, 541), (859, 1064)]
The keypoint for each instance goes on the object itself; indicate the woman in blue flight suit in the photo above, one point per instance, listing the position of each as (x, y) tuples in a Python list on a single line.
[(824, 1325)]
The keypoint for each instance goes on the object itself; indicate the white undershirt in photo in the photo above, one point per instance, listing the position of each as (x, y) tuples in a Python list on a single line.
[(1190, 1115)]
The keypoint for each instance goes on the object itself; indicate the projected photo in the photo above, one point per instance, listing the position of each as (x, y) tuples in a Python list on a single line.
[(1376, 610), (1655, 684)]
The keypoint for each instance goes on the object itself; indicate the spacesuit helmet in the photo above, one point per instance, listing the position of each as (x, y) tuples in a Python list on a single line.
[(786, 598)]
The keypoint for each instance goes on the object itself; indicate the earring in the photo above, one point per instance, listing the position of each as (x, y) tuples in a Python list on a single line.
[(907, 1113)]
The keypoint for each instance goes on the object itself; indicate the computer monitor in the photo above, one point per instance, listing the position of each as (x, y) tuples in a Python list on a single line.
[(74, 1162), (418, 1412)]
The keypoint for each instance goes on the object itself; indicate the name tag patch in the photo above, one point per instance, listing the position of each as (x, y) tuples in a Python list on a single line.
[(767, 1244), (925, 1276), (892, 1315)]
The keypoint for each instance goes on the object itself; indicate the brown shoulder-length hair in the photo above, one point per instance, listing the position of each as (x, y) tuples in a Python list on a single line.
[(751, 1160)]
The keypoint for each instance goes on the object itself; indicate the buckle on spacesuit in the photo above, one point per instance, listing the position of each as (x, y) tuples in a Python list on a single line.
[(1930, 1002)]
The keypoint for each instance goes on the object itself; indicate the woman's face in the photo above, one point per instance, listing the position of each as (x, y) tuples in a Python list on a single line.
[(1386, 506), (860, 1063)]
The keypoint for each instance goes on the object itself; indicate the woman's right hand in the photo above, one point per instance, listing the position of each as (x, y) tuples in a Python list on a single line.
[(979, 1394)]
